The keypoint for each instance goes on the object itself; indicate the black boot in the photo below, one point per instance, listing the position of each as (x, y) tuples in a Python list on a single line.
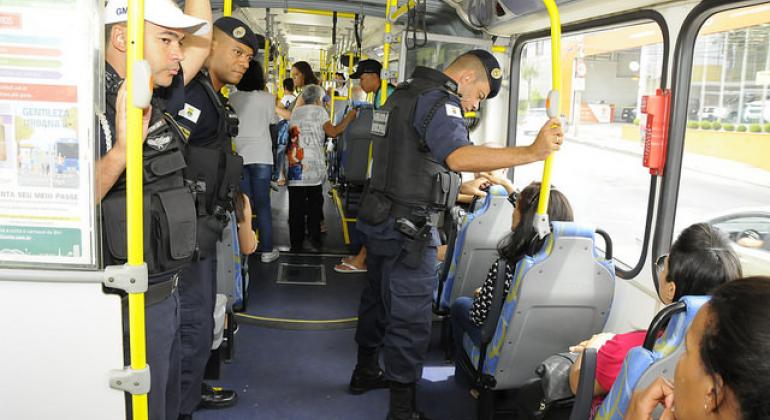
[(403, 403), (367, 374)]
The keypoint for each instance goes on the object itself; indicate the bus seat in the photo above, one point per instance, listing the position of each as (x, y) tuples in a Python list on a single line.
[(560, 295), (658, 357), (475, 248), (354, 147)]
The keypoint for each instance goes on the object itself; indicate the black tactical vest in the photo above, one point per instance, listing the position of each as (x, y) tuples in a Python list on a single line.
[(406, 180), (169, 206), (214, 170)]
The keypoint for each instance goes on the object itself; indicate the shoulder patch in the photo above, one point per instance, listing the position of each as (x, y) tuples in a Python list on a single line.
[(190, 112), (453, 111)]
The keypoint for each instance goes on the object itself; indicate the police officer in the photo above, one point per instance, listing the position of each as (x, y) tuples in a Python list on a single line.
[(215, 171), (169, 241), (420, 142)]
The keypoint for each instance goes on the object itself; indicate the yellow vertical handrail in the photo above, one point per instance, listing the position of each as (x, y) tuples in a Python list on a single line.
[(554, 104), (282, 73), (350, 71), (134, 201), (267, 58), (228, 8), (386, 52)]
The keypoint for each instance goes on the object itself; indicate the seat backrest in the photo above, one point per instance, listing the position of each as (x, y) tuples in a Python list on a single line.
[(641, 366), (560, 295), (354, 147), (476, 245)]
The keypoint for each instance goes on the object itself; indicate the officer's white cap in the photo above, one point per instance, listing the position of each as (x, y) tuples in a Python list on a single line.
[(160, 12)]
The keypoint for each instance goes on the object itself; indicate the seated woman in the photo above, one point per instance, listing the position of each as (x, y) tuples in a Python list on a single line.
[(468, 314), (701, 259), (724, 372)]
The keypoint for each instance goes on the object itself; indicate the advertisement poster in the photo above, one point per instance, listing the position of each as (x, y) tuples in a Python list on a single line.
[(47, 133)]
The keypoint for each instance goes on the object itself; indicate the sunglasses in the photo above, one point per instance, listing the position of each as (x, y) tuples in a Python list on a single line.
[(660, 263)]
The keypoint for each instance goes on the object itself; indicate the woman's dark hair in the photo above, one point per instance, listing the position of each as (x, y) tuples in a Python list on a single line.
[(307, 73), (736, 342), (253, 79), (519, 243), (700, 260), (288, 84)]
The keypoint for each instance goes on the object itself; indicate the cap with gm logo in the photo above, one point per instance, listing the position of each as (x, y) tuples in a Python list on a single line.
[(160, 12)]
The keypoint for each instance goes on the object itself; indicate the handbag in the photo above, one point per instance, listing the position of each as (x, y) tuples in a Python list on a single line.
[(554, 375)]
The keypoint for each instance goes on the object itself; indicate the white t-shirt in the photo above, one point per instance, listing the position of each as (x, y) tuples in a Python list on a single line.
[(305, 153), (287, 100), (256, 111)]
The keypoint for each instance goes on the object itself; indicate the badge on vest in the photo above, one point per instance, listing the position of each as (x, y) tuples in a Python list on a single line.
[(379, 123), (190, 112), (453, 111)]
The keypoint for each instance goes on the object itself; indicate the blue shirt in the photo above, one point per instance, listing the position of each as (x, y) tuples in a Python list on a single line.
[(446, 132), (199, 117)]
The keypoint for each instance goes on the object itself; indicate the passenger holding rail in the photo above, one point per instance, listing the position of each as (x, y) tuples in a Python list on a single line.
[(420, 143), (724, 372), (215, 172), (169, 246), (701, 259), (368, 71)]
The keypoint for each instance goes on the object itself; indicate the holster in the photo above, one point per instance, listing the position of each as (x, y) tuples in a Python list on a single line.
[(413, 248)]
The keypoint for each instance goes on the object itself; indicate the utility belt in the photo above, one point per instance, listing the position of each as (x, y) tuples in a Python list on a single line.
[(159, 291)]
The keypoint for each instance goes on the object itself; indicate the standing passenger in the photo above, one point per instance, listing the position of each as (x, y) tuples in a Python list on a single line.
[(420, 145), (256, 111), (306, 171), (171, 67), (215, 171)]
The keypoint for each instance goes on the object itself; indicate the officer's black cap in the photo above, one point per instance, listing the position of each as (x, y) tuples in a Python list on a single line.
[(367, 66), (238, 31), (493, 70)]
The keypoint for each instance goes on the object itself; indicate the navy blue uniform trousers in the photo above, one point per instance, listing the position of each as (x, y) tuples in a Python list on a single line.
[(196, 293), (395, 309), (162, 353)]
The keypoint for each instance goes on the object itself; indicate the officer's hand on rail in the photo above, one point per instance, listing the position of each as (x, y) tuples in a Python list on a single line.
[(120, 120), (643, 403), (548, 140)]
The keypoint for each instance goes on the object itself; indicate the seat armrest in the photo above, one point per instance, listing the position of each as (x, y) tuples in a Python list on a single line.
[(584, 397)]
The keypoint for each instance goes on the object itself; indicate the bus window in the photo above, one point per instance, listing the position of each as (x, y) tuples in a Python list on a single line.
[(439, 51), (725, 168), (599, 168)]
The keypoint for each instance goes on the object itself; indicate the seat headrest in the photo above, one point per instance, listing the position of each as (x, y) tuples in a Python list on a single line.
[(677, 327)]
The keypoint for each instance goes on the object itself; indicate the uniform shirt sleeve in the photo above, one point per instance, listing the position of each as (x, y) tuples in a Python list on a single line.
[(446, 132), (198, 118), (609, 358)]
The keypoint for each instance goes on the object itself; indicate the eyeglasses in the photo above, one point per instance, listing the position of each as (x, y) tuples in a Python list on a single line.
[(660, 263), (513, 197)]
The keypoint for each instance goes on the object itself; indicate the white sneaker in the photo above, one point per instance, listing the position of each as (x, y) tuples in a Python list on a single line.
[(268, 257)]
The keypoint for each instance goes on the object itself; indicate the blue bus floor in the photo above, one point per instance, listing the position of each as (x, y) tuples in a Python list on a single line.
[(284, 373)]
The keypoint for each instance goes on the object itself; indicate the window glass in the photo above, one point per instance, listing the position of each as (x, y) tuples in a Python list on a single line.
[(599, 169), (726, 164), (434, 54)]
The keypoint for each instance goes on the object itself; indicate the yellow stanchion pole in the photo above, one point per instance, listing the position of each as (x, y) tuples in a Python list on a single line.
[(137, 339), (350, 71), (386, 51), (553, 107), (267, 57), (401, 10), (228, 8)]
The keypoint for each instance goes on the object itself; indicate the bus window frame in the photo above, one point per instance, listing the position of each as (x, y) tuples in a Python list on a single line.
[(684, 54), (626, 19)]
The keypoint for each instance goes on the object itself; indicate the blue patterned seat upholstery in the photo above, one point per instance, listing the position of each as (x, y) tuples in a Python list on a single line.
[(559, 296), (475, 248), (642, 366)]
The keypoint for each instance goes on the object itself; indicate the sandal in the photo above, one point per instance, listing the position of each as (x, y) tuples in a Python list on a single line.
[(344, 267)]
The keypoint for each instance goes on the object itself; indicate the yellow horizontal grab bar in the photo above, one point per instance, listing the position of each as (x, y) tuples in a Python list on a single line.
[(498, 48), (344, 15), (401, 10)]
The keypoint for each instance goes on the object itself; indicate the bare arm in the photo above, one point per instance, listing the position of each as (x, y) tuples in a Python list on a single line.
[(282, 111), (596, 342), (196, 47), (335, 130), (247, 239), (478, 158)]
